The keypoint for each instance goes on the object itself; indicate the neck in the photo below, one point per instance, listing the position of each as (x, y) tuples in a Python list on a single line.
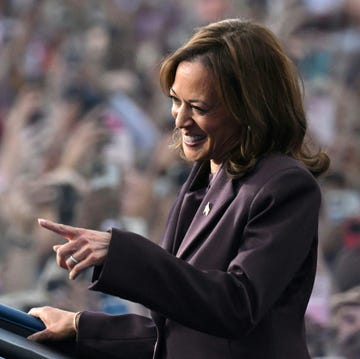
[(214, 167)]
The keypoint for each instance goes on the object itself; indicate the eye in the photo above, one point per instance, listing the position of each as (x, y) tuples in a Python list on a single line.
[(199, 110), (174, 99)]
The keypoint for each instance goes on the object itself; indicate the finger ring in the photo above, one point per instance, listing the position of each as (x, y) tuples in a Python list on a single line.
[(74, 260)]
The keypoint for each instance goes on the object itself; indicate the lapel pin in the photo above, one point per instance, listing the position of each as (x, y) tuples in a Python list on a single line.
[(207, 209)]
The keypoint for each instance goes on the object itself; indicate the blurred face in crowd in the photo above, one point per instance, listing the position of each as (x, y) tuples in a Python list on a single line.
[(352, 8), (348, 321), (207, 131), (212, 10)]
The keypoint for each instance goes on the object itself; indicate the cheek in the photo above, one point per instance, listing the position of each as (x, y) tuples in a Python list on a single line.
[(173, 111), (222, 138), (215, 133), (208, 125)]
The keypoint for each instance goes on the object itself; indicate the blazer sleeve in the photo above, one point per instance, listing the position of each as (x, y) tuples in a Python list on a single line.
[(279, 234), (115, 336)]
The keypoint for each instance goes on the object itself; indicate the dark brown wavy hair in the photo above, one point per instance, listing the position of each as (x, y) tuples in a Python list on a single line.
[(259, 86)]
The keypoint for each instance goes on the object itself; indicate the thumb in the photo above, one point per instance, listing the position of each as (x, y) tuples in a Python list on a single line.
[(40, 336)]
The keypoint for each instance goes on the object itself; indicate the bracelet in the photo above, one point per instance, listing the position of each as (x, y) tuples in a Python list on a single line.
[(76, 321)]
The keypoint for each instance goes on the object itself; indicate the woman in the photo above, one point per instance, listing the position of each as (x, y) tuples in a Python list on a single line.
[(236, 267)]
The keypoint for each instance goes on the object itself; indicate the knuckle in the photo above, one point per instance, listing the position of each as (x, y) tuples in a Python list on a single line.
[(87, 251), (83, 241), (82, 231), (92, 257)]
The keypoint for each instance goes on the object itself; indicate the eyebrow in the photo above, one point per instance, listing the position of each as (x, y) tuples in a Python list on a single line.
[(191, 101)]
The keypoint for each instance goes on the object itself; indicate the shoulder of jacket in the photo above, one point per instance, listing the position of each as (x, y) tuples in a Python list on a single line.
[(275, 167)]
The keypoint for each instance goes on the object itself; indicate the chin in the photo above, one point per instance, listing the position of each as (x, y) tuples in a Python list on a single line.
[(194, 156)]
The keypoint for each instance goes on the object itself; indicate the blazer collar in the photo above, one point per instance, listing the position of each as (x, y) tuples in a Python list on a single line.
[(169, 237), (212, 207)]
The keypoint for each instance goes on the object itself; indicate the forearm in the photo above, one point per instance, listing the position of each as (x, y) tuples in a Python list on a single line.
[(175, 288)]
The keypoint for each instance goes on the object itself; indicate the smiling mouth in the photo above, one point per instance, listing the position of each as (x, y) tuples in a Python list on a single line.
[(193, 140)]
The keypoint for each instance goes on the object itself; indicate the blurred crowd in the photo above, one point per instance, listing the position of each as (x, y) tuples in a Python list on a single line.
[(85, 129)]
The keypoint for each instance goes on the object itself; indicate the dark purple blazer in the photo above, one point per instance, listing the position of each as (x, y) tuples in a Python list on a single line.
[(235, 284)]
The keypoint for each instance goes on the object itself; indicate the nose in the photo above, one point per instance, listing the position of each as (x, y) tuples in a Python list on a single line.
[(183, 116)]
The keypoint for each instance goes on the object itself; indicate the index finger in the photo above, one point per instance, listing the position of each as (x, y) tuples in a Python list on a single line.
[(66, 231)]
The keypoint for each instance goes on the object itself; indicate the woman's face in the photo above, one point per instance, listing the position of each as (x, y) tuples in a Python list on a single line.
[(207, 130)]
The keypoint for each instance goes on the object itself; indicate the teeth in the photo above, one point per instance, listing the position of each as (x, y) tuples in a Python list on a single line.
[(193, 138)]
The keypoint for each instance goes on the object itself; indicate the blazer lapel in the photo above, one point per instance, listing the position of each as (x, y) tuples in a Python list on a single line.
[(170, 236), (216, 200)]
